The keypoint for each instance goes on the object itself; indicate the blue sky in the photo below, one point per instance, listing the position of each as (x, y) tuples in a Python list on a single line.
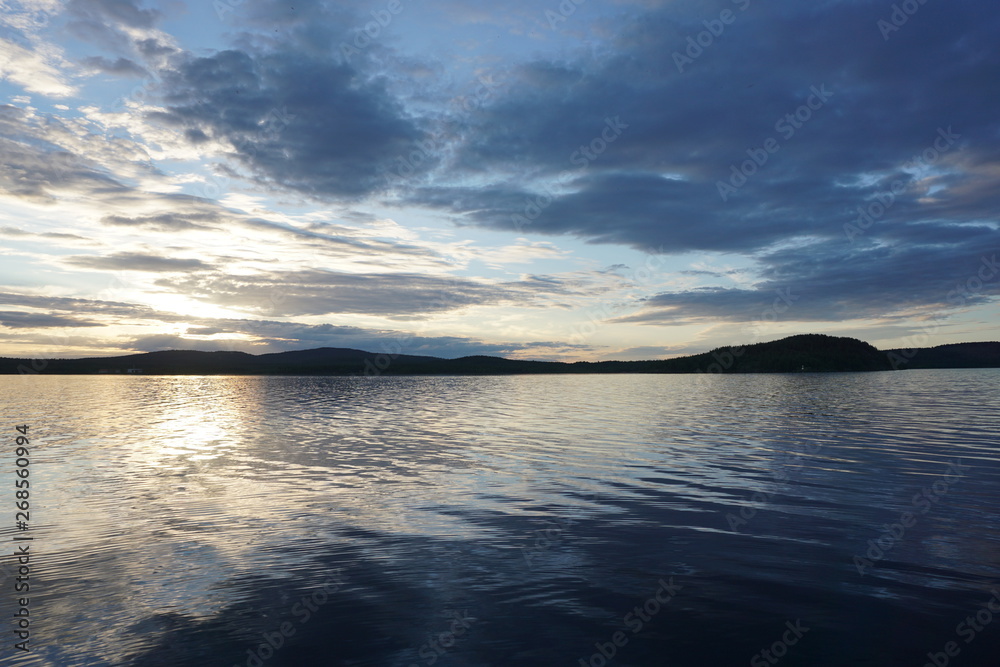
[(624, 179)]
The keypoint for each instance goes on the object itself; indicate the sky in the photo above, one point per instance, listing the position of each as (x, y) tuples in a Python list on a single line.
[(574, 180)]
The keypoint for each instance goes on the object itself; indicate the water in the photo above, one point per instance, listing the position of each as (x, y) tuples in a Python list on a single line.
[(507, 520)]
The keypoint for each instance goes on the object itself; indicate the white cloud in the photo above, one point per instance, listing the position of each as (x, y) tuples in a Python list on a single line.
[(35, 70)]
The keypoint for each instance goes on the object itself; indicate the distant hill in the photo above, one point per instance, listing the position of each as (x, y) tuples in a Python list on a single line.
[(803, 353), (807, 352), (955, 355)]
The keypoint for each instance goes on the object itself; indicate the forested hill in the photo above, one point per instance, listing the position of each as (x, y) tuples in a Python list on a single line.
[(956, 355), (807, 352), (803, 353)]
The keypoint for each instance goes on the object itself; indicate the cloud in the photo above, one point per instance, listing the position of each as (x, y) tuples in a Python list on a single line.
[(271, 336), (249, 335), (14, 232), (46, 157), (24, 320), (120, 12), (51, 160), (656, 183), (118, 67), (158, 342), (827, 281), (112, 24), (310, 125), (154, 49), (131, 261), (165, 222), (319, 292), (93, 307), (37, 70), (542, 162), (206, 331)]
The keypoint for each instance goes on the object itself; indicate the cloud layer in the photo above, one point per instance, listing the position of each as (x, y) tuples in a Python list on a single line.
[(843, 154)]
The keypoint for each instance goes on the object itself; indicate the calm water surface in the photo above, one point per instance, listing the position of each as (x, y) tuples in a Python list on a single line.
[(661, 520)]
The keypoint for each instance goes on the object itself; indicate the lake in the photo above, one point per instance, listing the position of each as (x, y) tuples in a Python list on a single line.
[(803, 519)]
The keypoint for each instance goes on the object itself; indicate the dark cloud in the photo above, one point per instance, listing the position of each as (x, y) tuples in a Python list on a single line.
[(153, 48), (206, 331), (655, 185), (118, 67), (311, 125), (121, 12), (132, 261), (24, 320), (91, 307), (110, 24), (712, 274), (36, 165), (907, 122), (826, 282), (14, 232), (320, 234), (32, 173), (316, 292)]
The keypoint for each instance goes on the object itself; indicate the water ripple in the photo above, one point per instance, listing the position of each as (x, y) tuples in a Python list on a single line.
[(178, 518)]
